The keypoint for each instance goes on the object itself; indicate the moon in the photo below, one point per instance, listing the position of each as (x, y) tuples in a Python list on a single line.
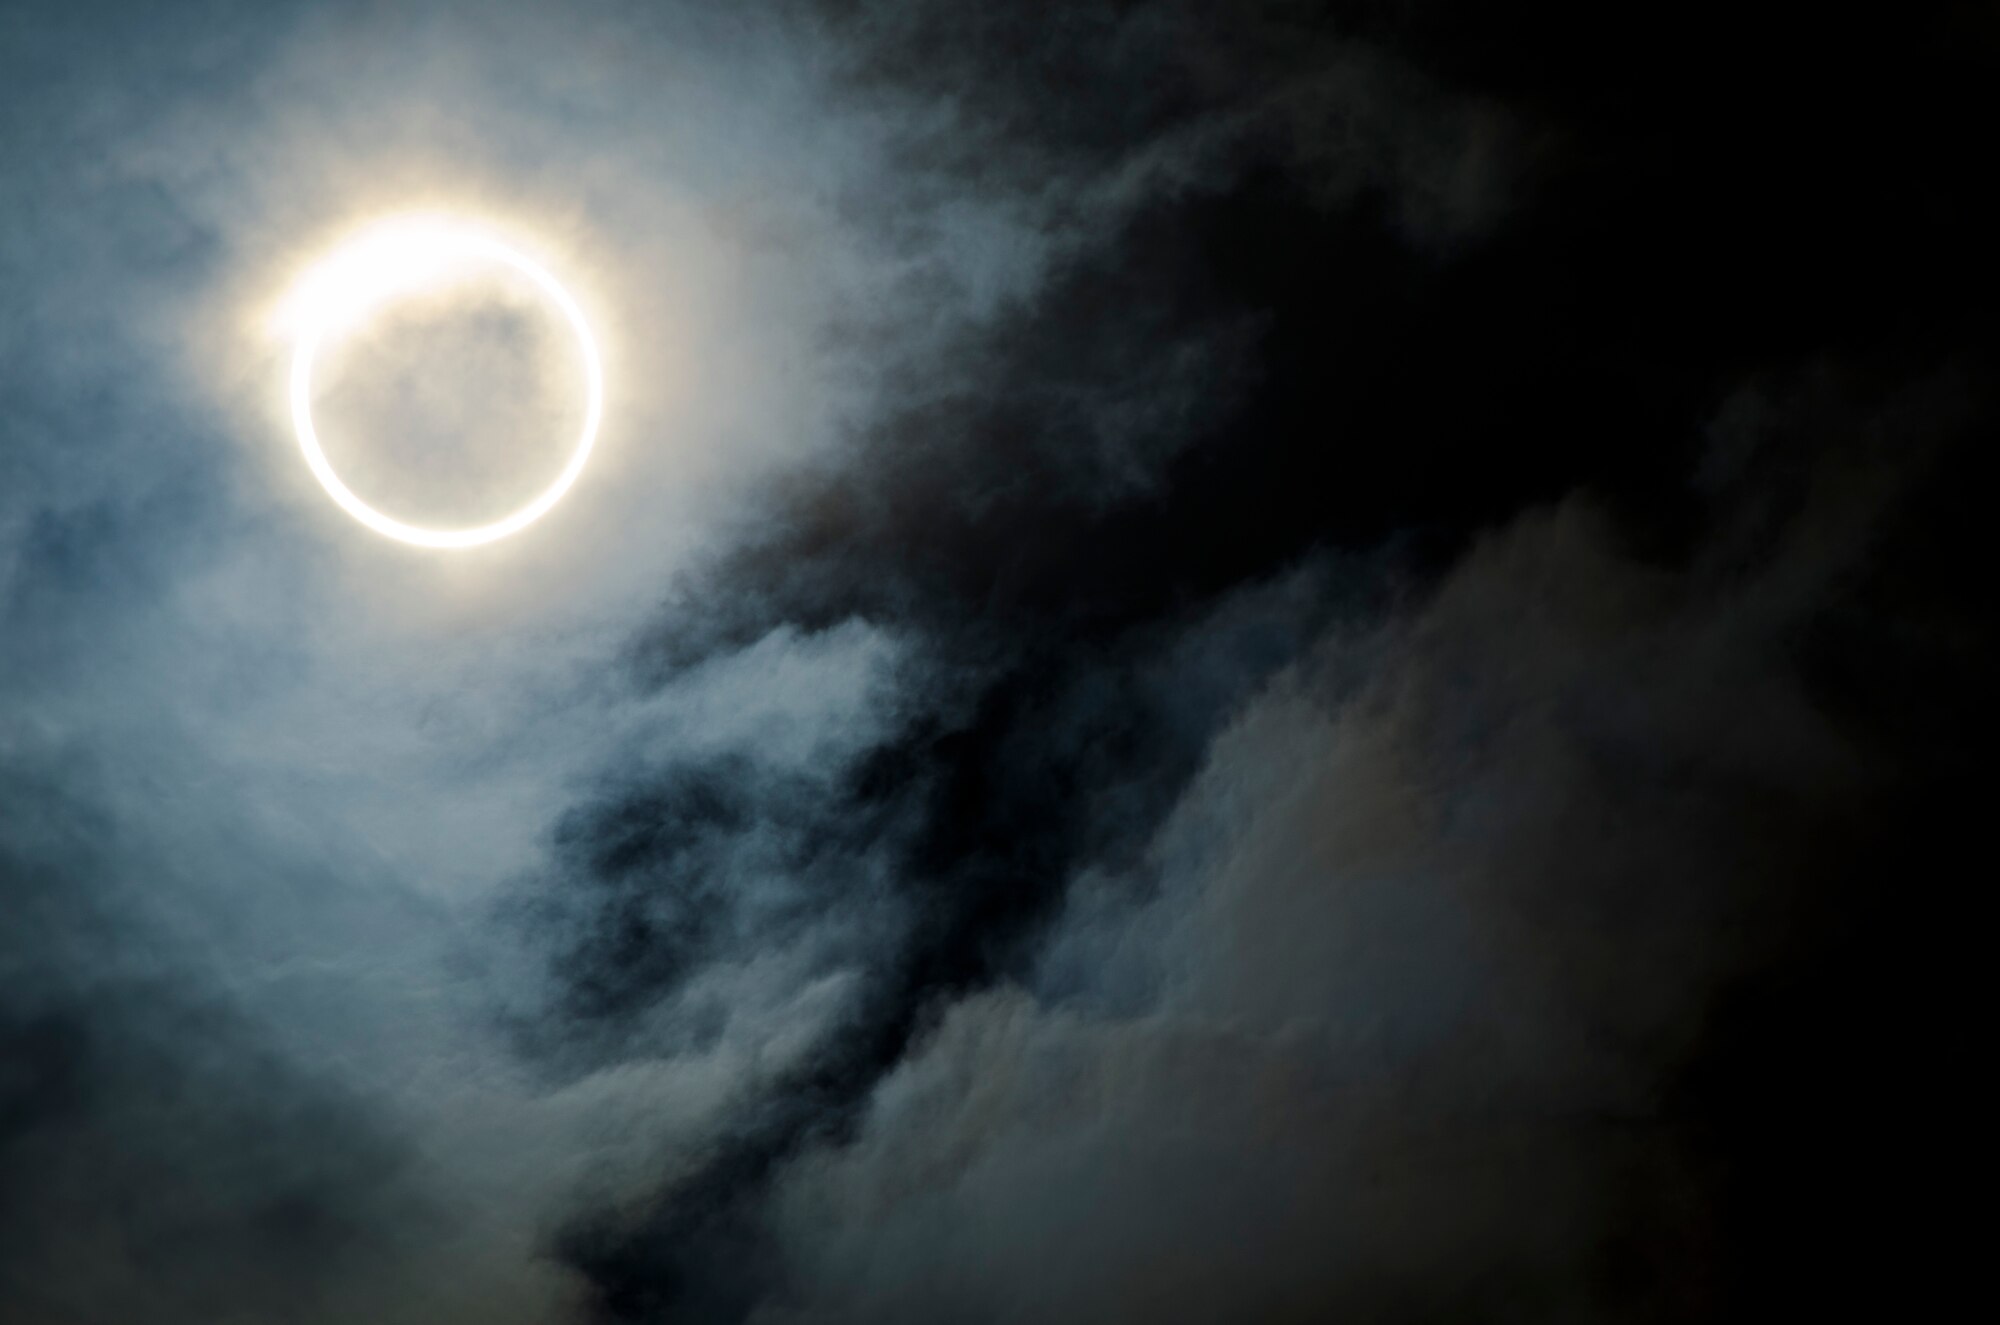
[(393, 260)]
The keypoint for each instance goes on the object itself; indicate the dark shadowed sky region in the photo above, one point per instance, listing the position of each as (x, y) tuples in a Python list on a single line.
[(1219, 662)]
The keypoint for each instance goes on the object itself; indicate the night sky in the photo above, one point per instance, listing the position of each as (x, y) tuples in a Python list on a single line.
[(1221, 662)]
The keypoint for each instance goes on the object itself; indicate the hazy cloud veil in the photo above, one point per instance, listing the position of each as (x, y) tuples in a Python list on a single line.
[(1223, 662)]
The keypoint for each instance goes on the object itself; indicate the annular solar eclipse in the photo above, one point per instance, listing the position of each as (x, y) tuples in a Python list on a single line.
[(399, 259)]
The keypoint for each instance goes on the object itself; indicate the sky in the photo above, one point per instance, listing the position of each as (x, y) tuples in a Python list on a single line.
[(1265, 662)]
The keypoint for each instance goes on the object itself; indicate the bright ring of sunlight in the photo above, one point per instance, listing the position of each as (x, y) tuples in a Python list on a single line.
[(396, 259)]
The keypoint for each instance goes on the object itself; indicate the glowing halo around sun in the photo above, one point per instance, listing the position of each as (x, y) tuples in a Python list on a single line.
[(392, 260)]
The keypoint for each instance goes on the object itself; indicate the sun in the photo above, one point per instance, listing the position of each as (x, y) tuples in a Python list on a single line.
[(396, 259)]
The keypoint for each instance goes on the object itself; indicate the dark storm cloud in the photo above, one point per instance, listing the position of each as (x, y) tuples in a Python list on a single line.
[(1271, 346), (1071, 653), (923, 867), (1434, 1008)]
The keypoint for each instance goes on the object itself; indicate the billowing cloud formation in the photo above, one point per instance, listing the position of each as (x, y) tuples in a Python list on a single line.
[(1219, 665), (1426, 988), (1440, 934)]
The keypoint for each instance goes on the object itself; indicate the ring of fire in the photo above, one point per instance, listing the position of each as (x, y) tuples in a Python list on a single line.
[(397, 259)]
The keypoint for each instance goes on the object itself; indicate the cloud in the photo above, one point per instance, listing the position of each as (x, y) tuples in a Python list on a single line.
[(163, 1159), (1442, 935), (1276, 376), (1068, 638)]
